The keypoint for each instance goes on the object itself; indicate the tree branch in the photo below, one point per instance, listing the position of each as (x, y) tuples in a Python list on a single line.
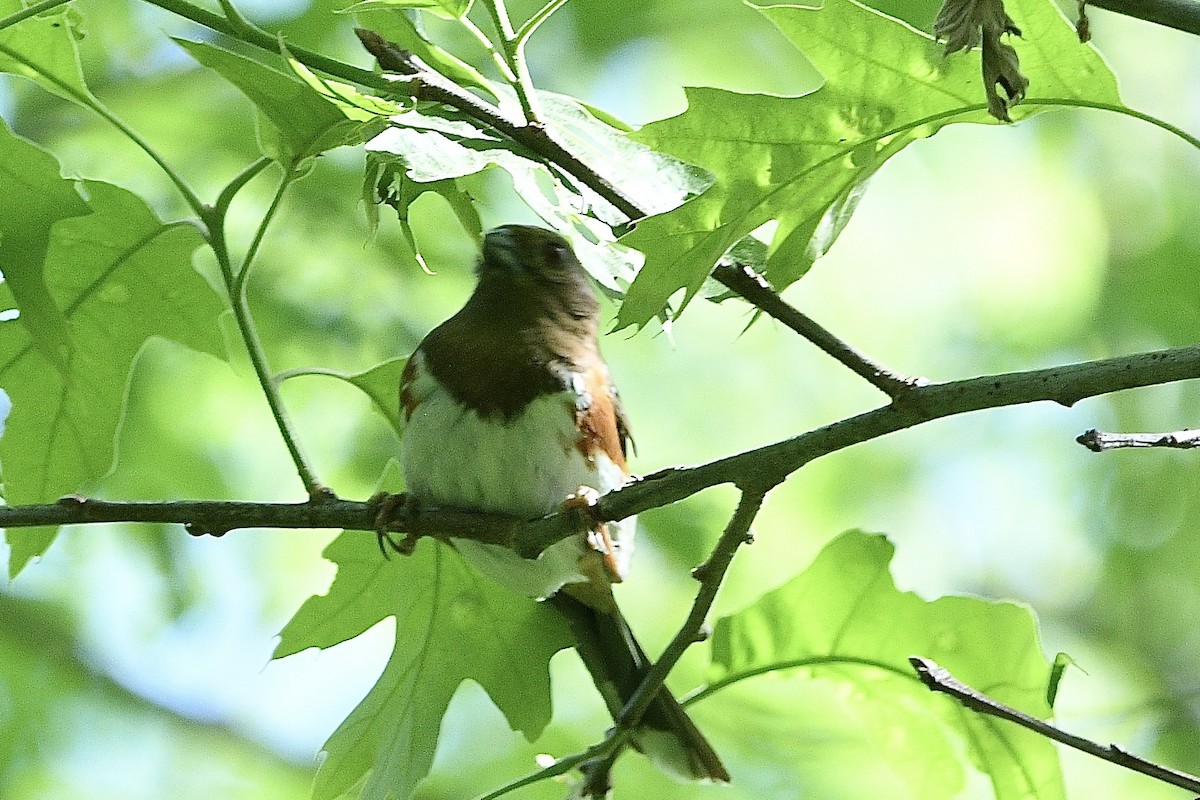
[(710, 574), (1099, 441), (1182, 15), (750, 470), (938, 679), (755, 289)]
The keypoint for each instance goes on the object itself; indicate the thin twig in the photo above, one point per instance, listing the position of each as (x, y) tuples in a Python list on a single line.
[(755, 289), (213, 218), (710, 574), (433, 87), (938, 679), (1099, 441)]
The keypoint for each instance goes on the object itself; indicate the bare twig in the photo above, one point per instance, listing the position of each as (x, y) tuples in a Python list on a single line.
[(754, 288), (710, 574), (938, 679), (1099, 441)]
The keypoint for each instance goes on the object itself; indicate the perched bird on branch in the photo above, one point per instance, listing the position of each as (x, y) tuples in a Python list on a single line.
[(510, 409)]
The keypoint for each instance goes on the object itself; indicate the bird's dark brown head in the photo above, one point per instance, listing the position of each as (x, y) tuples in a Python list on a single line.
[(538, 265), (532, 318)]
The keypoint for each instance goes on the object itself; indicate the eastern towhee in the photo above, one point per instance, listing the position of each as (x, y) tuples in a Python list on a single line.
[(509, 409)]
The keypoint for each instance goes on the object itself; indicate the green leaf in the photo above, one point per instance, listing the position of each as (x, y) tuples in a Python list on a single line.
[(43, 49), (447, 9), (1057, 671), (452, 624), (36, 198), (119, 276), (429, 149), (794, 161), (302, 122), (655, 181), (381, 383), (844, 621)]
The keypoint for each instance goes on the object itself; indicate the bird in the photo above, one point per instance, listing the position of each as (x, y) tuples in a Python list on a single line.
[(509, 408)]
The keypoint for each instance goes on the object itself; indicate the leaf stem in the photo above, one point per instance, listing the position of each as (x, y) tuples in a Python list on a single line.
[(514, 53), (239, 181), (703, 692), (533, 23), (488, 46), (214, 220), (31, 11), (92, 103), (243, 272)]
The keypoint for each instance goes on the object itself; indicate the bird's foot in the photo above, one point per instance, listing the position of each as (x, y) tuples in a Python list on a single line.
[(389, 509), (579, 506)]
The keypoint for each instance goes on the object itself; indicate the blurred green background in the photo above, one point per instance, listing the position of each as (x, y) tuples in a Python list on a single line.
[(134, 660)]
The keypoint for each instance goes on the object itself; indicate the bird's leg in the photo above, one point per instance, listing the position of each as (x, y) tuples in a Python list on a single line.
[(579, 505), (391, 508), (596, 781)]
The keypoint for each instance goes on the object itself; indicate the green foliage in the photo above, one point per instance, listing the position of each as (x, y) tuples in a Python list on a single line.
[(109, 275), (845, 623), (452, 624), (43, 49), (299, 123), (96, 274), (799, 162)]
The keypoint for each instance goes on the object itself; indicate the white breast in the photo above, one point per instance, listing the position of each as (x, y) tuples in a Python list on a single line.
[(526, 468)]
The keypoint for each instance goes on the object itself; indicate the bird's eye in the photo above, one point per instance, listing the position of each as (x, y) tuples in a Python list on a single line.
[(557, 251)]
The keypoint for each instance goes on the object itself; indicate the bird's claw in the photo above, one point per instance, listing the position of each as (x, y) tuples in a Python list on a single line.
[(579, 505), (391, 508)]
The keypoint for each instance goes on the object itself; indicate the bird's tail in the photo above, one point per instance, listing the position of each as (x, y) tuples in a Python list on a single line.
[(617, 663)]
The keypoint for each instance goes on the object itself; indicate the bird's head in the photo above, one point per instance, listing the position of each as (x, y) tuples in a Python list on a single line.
[(539, 265)]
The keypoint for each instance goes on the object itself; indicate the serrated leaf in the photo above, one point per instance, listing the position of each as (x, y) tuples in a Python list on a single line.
[(452, 624), (431, 148), (119, 276), (303, 122), (792, 159), (655, 181), (43, 49), (844, 621)]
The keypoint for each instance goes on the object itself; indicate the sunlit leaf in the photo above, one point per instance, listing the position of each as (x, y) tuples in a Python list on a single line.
[(791, 160), (43, 49), (38, 198), (844, 622), (443, 608), (118, 276), (303, 122)]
